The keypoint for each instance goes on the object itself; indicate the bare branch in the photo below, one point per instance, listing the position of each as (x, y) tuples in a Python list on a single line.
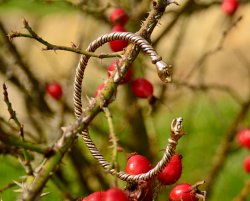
[(33, 35)]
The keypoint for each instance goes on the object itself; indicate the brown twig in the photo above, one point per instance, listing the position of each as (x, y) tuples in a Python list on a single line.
[(34, 92), (10, 109), (33, 35), (13, 116), (98, 11), (218, 48), (204, 87)]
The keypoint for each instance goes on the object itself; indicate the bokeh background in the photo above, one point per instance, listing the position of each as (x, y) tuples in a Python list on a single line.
[(207, 91)]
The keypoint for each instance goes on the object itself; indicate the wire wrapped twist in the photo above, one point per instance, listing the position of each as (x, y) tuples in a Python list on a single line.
[(164, 70), (164, 73), (176, 133)]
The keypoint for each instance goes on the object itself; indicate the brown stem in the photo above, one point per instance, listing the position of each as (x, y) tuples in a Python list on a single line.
[(49, 46), (36, 93)]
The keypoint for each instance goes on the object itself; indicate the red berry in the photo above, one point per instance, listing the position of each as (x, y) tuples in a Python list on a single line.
[(137, 164), (96, 196), (243, 138), (142, 88), (119, 16), (246, 164), (115, 194), (183, 192), (126, 78), (54, 90), (118, 45), (172, 172), (230, 6)]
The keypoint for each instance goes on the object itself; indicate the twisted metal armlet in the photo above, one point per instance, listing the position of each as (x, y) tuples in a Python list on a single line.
[(176, 132), (164, 72)]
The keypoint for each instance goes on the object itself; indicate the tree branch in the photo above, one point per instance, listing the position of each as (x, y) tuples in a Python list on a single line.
[(49, 46)]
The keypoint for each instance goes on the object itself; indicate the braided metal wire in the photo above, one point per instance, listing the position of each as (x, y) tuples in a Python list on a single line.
[(177, 131), (165, 75), (164, 71)]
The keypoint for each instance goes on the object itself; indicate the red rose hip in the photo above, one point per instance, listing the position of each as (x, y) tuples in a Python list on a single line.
[(119, 16), (172, 172), (137, 164), (118, 45), (54, 90), (246, 164), (243, 138), (115, 194), (142, 88), (96, 196), (183, 192), (229, 6)]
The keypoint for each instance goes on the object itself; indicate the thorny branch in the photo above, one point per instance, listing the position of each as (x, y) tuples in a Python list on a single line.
[(33, 35), (34, 85), (10, 109), (113, 137), (26, 162)]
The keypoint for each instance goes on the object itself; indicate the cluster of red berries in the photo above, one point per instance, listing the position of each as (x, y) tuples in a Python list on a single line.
[(138, 164), (54, 90), (229, 6), (113, 194), (243, 138), (141, 87), (118, 19)]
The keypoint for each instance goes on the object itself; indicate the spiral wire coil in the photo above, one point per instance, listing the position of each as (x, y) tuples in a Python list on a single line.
[(164, 74)]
